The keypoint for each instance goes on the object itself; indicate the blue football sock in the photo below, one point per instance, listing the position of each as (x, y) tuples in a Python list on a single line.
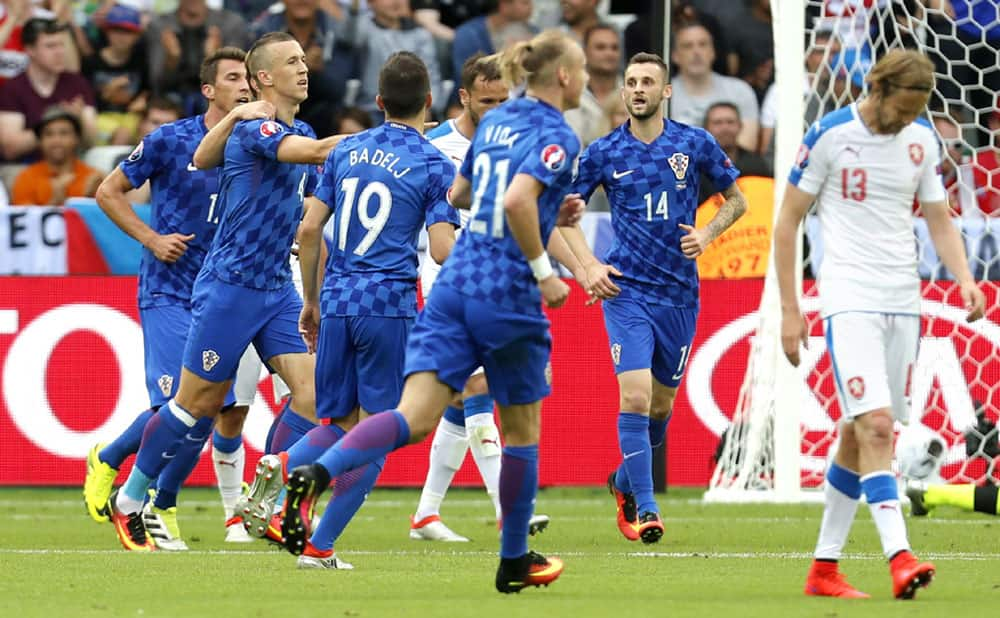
[(226, 445), (518, 487), (657, 433), (314, 444), (370, 440), (269, 440), (478, 404), (290, 428), (637, 458), (169, 483), (455, 416), (127, 443), (160, 441), (348, 495)]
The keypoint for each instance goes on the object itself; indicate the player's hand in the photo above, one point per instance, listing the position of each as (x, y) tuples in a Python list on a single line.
[(694, 242), (255, 110), (973, 300), (793, 332), (169, 247), (309, 325), (554, 291), (599, 284), (571, 210)]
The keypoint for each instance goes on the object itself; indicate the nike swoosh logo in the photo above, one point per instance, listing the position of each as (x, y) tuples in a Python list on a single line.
[(631, 455), (192, 168), (166, 455), (616, 175)]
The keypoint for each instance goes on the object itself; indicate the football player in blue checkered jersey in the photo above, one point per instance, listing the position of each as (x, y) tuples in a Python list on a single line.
[(650, 168), (381, 187), (486, 308), (243, 293), (184, 221)]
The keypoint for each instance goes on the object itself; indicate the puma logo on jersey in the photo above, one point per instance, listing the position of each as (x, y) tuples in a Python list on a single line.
[(209, 358), (854, 150), (616, 174)]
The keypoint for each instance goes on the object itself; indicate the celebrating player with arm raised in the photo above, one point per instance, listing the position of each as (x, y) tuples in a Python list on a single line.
[(862, 165), (650, 169)]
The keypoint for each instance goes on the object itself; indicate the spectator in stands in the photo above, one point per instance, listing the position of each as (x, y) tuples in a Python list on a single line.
[(578, 17), (351, 120), (602, 48), (615, 113), (159, 111), (178, 42), (696, 86), (13, 60), (60, 174), (45, 83), (388, 30), (441, 17), (986, 168), (330, 62), (117, 72), (751, 47), (722, 120), (486, 33)]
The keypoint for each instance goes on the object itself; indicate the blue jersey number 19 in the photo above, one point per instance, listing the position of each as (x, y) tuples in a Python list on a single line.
[(372, 224), (481, 170)]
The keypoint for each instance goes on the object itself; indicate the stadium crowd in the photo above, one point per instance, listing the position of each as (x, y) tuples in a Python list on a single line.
[(116, 70)]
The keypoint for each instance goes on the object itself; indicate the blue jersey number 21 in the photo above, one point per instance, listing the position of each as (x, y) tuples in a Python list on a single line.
[(481, 169)]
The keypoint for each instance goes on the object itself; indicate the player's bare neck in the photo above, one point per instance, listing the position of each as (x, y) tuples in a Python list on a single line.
[(550, 94), (464, 125), (868, 112), (285, 109), (646, 130)]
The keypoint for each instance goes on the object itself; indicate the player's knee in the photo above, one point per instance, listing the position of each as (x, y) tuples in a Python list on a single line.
[(876, 428), (635, 400), (422, 422), (304, 400)]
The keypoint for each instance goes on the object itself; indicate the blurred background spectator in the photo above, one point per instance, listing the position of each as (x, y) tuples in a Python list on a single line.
[(60, 174), (350, 120), (751, 47), (44, 83), (13, 59), (723, 121), (602, 48), (504, 20)]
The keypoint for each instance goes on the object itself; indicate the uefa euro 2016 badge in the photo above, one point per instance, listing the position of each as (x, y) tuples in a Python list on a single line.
[(679, 163)]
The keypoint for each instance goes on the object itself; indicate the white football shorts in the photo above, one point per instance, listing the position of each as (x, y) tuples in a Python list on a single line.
[(873, 355)]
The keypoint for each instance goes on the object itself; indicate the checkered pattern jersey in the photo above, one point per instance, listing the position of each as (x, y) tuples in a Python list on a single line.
[(383, 185), (260, 202), (183, 202), (522, 136), (652, 188)]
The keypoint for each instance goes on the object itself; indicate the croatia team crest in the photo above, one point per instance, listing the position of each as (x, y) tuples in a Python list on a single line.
[(166, 384), (856, 387), (616, 352), (553, 157), (548, 373), (208, 359), (679, 163), (916, 153), (269, 128)]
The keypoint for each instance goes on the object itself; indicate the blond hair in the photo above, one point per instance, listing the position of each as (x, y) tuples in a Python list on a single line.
[(535, 60), (904, 69)]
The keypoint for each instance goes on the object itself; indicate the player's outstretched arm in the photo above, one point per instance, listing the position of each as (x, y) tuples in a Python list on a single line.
[(212, 148), (111, 198), (696, 241), (299, 149), (520, 204), (593, 275), (310, 242), (951, 250), (786, 234), (441, 239)]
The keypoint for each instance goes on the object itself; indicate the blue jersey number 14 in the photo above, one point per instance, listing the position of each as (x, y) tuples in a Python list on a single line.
[(662, 208)]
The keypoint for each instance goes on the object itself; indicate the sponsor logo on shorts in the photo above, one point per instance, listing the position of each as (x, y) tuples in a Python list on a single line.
[(616, 352), (856, 387), (166, 384), (209, 358)]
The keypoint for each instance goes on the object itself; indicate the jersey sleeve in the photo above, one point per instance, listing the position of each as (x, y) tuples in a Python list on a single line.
[(931, 187), (811, 163), (260, 137), (465, 170), (438, 210), (588, 171), (550, 156), (716, 164), (147, 158), (326, 180), (312, 180)]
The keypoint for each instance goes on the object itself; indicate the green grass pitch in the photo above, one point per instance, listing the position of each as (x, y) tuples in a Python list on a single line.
[(719, 561)]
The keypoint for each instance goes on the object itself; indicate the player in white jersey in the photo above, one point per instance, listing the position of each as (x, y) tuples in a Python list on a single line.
[(863, 164), (471, 426)]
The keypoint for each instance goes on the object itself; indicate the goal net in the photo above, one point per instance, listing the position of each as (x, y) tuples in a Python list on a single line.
[(785, 424)]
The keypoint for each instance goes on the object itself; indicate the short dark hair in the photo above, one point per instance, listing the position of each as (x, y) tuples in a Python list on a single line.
[(717, 105), (647, 58), (596, 28), (36, 27), (403, 84), (55, 114), (165, 103), (356, 114), (210, 65), (255, 59), (479, 65)]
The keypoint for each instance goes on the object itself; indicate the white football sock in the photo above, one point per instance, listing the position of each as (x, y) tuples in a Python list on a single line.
[(484, 442), (229, 474), (838, 515), (888, 518), (447, 452)]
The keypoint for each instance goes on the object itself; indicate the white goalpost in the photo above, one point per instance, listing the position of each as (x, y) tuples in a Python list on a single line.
[(784, 425)]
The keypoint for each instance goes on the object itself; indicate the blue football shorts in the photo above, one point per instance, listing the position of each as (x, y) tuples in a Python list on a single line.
[(650, 336)]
